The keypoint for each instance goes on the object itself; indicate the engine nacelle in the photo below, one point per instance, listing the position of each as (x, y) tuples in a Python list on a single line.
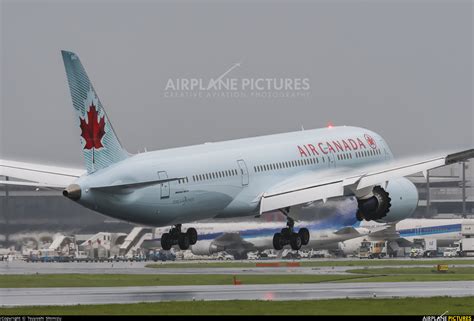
[(394, 203), (205, 248), (351, 247)]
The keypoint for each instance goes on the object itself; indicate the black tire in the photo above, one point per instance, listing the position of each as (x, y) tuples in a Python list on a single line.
[(183, 241), (285, 231), (295, 241), (192, 235), (359, 215), (166, 242), (304, 234), (277, 241)]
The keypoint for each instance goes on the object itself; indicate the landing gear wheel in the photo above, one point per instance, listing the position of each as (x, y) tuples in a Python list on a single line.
[(295, 241), (285, 231), (166, 242), (183, 241), (277, 241), (359, 215), (304, 235), (192, 235)]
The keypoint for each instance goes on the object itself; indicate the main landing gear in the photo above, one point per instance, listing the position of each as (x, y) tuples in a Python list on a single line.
[(288, 236), (175, 236)]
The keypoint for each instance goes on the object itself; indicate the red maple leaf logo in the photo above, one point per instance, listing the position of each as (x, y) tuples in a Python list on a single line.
[(94, 129), (370, 141)]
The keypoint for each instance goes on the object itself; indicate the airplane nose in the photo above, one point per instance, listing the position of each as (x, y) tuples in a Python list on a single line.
[(73, 192)]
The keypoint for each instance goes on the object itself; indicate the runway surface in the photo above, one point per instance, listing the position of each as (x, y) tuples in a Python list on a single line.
[(20, 267), (73, 296), (139, 268)]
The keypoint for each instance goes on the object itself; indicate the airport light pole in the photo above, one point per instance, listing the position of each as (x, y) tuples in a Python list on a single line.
[(428, 196), (5, 211), (463, 164)]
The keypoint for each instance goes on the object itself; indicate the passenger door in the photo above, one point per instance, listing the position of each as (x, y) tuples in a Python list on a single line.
[(244, 172), (165, 187)]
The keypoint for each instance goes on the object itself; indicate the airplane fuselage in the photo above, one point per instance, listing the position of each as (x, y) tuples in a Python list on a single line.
[(224, 179)]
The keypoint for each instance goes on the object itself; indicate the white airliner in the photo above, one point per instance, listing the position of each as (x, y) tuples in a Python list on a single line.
[(236, 178), (403, 233)]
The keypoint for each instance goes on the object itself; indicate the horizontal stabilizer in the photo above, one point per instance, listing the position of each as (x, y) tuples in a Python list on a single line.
[(39, 175), (32, 184)]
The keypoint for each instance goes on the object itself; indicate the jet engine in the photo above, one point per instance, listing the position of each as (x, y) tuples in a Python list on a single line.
[(351, 246), (205, 248), (396, 202)]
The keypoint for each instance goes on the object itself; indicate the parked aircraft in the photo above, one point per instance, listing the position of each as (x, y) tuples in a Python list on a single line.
[(328, 224), (403, 233)]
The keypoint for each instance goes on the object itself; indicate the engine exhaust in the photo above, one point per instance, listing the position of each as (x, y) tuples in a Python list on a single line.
[(72, 192)]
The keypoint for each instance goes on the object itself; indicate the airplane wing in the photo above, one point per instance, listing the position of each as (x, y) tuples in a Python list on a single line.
[(233, 240), (315, 185), (387, 232), (348, 230), (38, 175)]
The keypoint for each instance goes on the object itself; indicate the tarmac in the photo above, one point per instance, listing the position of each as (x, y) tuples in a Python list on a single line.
[(21, 267), (108, 295)]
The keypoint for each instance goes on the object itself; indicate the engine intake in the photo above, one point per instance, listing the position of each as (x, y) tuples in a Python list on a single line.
[(375, 207), (397, 201), (206, 248)]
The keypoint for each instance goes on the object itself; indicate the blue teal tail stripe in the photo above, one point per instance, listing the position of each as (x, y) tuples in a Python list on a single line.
[(100, 144)]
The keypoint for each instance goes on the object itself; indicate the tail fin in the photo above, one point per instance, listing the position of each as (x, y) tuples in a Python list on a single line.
[(101, 147)]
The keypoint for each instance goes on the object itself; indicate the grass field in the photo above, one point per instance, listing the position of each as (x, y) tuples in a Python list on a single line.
[(108, 280), (387, 262), (406, 306)]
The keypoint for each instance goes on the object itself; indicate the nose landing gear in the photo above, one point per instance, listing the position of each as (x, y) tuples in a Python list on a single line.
[(175, 236), (289, 236)]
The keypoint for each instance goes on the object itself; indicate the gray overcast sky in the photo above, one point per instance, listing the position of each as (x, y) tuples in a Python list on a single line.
[(403, 69)]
